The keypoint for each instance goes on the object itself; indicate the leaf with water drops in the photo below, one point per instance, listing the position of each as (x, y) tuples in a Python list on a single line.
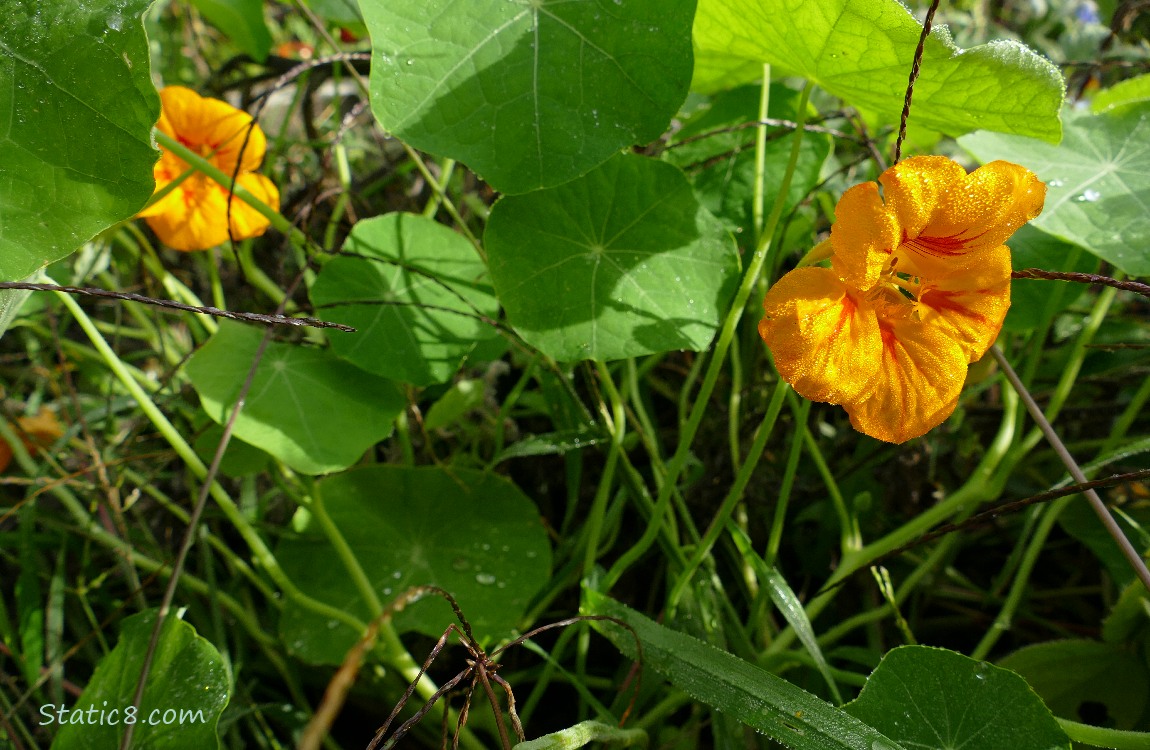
[(861, 50), (935, 699), (1097, 182), (621, 262), (528, 93), (186, 692), (76, 149), (472, 533)]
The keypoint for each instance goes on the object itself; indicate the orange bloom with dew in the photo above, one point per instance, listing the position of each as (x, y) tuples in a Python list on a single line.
[(194, 214), (917, 288)]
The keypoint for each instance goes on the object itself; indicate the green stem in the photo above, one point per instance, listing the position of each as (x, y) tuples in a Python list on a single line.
[(262, 553), (275, 218), (734, 495), (779, 522), (1132, 555), (1021, 582), (984, 483), (718, 358), (1119, 739), (617, 423)]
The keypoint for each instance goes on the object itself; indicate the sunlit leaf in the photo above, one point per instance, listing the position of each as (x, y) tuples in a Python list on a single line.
[(186, 692), (472, 533), (861, 51), (934, 699), (415, 291), (76, 152), (618, 263), (307, 407), (1097, 181), (1134, 90), (528, 93)]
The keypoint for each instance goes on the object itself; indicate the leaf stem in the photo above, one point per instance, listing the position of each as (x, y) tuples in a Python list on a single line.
[(1112, 528), (718, 358)]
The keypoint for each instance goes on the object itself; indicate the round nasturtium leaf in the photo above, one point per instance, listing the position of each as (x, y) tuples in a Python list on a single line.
[(415, 291), (528, 93), (76, 149), (1097, 181), (935, 699), (1075, 676), (621, 262), (472, 533), (306, 407), (186, 692)]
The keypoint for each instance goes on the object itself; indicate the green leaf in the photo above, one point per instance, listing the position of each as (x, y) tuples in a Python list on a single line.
[(472, 533), (1081, 522), (1134, 90), (1033, 301), (76, 155), (550, 443), (933, 698), (861, 51), (619, 263), (186, 692), (528, 93), (417, 294), (337, 11), (240, 459), (242, 21), (757, 698), (451, 407), (1098, 182), (722, 166), (306, 407), (1068, 674)]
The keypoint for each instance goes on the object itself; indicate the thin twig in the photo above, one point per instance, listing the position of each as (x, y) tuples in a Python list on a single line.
[(1112, 528), (1083, 278), (194, 517), (277, 320), (914, 70)]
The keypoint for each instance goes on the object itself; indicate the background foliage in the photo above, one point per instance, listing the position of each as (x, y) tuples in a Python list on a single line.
[(546, 221)]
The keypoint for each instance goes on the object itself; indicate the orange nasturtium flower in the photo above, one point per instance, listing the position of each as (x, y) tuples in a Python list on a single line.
[(918, 286), (193, 216)]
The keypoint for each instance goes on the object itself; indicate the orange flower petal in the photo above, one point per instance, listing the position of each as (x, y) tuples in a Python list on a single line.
[(970, 305), (917, 384), (945, 213), (823, 336), (194, 215), (212, 128), (864, 235)]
